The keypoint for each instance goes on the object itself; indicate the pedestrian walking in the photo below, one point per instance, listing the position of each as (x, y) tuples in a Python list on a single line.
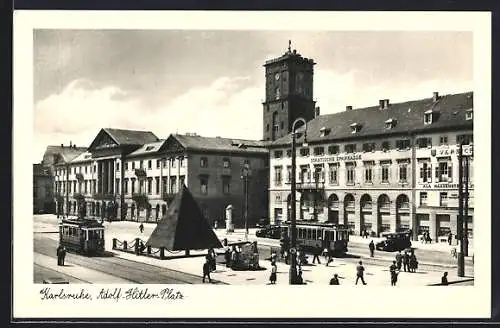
[(300, 280), (406, 261), (444, 279), (274, 270), (212, 258), (206, 269), (413, 262), (394, 273), (371, 246), (59, 255), (329, 257), (141, 227), (227, 257), (335, 280), (360, 269), (399, 260), (63, 255), (317, 252), (450, 238)]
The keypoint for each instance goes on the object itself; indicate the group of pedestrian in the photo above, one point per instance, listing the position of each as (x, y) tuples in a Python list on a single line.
[(409, 262), (231, 257), (426, 237), (61, 255), (365, 234)]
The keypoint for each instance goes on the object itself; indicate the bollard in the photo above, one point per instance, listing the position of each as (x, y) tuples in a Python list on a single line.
[(124, 245), (162, 253), (149, 249), (136, 248), (114, 243)]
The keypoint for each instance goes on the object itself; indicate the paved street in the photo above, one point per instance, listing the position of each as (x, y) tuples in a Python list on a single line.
[(130, 268)]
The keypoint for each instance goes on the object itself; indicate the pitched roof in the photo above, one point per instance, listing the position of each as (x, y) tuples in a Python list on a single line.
[(131, 137), (408, 116), (183, 227), (83, 157), (196, 142), (67, 153), (148, 148)]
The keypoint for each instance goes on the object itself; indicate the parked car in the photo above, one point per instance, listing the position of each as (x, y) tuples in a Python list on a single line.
[(264, 222), (398, 241), (272, 232)]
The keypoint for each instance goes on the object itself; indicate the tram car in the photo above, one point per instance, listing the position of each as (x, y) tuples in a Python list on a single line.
[(312, 236), (84, 236)]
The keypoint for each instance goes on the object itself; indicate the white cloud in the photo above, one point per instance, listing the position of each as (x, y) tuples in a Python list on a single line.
[(228, 107)]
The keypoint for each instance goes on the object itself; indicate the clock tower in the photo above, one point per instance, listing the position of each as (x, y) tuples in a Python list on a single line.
[(289, 93)]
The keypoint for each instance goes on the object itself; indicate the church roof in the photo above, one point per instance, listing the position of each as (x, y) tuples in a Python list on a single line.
[(407, 117), (196, 142), (183, 227)]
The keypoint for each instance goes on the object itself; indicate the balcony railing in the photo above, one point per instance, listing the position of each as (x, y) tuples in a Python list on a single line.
[(310, 185), (104, 196)]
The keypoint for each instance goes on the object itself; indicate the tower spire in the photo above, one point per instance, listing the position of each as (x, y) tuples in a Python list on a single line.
[(289, 45)]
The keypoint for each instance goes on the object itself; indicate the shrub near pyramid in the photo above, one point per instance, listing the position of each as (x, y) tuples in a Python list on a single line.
[(183, 227)]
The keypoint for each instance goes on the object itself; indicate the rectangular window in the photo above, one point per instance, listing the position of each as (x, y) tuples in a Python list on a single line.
[(173, 184), (368, 173), (117, 167), (150, 165), (333, 149), (386, 145), (203, 162), (385, 173), (226, 162), (181, 161), (425, 172), (304, 152), (403, 144), (423, 198), (304, 174), (443, 140), (125, 186), (182, 179), (370, 146), (350, 175), (444, 171), (466, 139), (86, 167), (319, 173), (164, 185), (443, 199), (204, 185), (288, 153), (158, 161), (117, 186), (157, 185), (141, 164), (132, 186), (278, 154), (277, 175), (126, 166), (428, 118), (333, 170), (403, 172), (226, 185), (468, 115), (164, 162), (424, 142), (133, 165), (351, 148), (288, 174), (318, 151), (141, 187), (172, 162), (85, 188)]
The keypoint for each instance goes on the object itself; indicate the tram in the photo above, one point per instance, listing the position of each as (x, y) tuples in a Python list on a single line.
[(83, 236), (312, 236)]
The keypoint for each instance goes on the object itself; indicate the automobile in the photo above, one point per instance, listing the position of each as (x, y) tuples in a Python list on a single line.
[(264, 222), (55, 280), (398, 241), (272, 232)]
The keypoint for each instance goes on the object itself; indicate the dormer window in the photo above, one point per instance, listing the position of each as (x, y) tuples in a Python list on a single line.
[(324, 132), (468, 115), (390, 123), (428, 116), (355, 127)]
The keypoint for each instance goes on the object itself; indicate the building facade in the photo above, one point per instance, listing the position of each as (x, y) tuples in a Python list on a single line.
[(42, 190), (384, 168), (133, 175)]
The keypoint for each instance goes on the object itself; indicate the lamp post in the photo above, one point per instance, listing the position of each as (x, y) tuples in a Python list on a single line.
[(293, 230), (244, 175)]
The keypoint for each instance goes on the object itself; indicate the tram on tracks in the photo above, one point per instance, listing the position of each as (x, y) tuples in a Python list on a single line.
[(312, 236), (83, 236)]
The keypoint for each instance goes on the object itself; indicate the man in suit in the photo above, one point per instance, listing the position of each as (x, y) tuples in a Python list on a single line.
[(335, 280)]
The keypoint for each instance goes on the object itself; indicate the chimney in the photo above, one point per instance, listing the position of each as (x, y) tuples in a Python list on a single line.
[(316, 112), (386, 103), (70, 144), (435, 96), (383, 103), (348, 108)]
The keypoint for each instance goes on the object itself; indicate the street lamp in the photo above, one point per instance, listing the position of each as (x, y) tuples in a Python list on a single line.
[(244, 175), (293, 232)]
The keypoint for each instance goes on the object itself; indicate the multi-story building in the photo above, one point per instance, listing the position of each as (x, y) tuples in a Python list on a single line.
[(43, 199), (133, 175), (381, 168)]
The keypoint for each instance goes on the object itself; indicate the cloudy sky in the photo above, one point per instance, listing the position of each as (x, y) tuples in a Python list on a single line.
[(212, 82)]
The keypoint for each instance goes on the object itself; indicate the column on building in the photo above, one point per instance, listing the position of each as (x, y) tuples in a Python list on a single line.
[(357, 215), (433, 226)]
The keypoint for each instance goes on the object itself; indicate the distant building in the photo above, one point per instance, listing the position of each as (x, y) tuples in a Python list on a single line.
[(43, 201), (383, 168), (138, 174)]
